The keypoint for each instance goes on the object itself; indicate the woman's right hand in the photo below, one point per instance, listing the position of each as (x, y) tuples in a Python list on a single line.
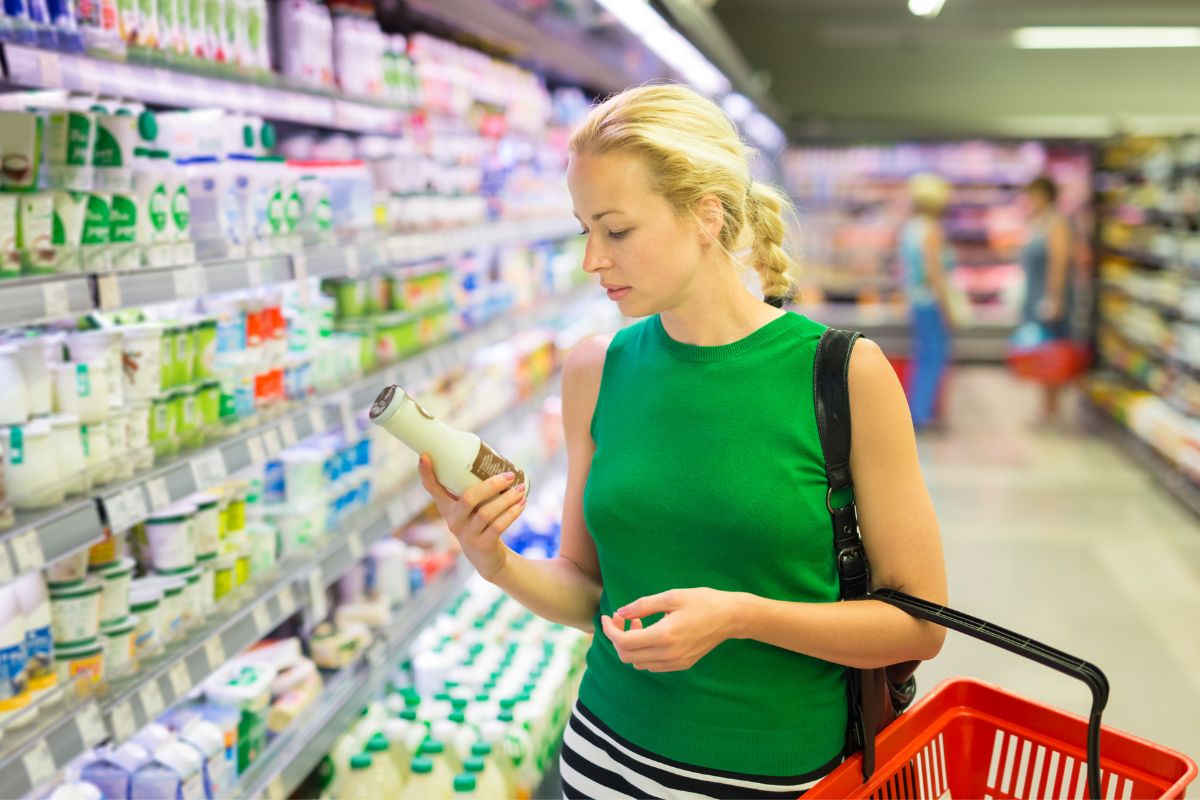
[(479, 517)]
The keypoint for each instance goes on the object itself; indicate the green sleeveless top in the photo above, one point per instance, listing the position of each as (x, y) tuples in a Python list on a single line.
[(708, 471)]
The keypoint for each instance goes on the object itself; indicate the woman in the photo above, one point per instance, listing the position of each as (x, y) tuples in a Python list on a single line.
[(928, 261), (696, 541), (1046, 260)]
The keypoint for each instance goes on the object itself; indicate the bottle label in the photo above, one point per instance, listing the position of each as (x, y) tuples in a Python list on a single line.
[(108, 152), (122, 220), (489, 463), (13, 680), (16, 445), (39, 650), (181, 208), (159, 208), (96, 221), (83, 380), (79, 134), (86, 441)]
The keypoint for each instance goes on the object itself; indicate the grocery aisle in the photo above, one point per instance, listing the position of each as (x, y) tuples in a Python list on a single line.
[(1062, 537)]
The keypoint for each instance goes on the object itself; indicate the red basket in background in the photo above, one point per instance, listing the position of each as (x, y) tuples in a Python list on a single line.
[(970, 739), (1053, 363)]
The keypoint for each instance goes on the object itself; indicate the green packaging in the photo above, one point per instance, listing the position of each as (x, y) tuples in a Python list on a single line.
[(206, 350), (209, 399), (35, 232), (185, 358), (162, 428), (94, 254), (10, 257), (191, 431)]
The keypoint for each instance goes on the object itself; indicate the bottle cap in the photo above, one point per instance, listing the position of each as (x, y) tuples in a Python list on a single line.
[(422, 765), (147, 125), (464, 783), (481, 749), (378, 743), (432, 747), (360, 761), (473, 765), (409, 714), (458, 717)]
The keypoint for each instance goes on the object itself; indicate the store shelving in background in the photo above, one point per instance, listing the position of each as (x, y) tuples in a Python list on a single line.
[(853, 204), (1147, 384)]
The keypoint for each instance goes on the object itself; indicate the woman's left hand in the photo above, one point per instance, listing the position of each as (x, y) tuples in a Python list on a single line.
[(695, 622)]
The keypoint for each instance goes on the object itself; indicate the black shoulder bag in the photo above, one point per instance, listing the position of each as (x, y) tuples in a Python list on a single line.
[(874, 696)]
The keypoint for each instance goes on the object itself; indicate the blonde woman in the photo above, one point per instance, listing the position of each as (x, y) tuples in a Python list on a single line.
[(696, 543), (928, 261)]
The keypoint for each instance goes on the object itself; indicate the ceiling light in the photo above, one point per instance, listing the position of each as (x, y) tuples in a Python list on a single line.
[(1104, 38), (668, 44), (926, 8), (737, 106)]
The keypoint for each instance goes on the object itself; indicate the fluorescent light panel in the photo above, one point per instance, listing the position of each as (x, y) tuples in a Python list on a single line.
[(1067, 38), (926, 8), (668, 44)]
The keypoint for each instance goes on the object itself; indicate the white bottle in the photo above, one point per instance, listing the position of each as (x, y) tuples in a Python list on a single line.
[(460, 458), (426, 783), (489, 782)]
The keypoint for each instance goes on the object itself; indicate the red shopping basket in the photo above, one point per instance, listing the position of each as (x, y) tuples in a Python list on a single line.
[(969, 739), (1053, 363)]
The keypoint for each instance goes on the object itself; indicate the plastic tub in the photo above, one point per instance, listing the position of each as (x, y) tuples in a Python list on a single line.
[(142, 361), (206, 525), (70, 569), (15, 689), (192, 600), (120, 646), (75, 609), (97, 447), (117, 579), (36, 371), (31, 473), (103, 346), (170, 537), (34, 601), (80, 666), (82, 388), (224, 576), (146, 604), (172, 618), (207, 579)]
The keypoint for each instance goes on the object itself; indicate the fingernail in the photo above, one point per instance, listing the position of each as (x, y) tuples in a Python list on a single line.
[(509, 476), (519, 489)]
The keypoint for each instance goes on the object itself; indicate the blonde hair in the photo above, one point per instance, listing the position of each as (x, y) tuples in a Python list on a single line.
[(930, 192), (692, 149)]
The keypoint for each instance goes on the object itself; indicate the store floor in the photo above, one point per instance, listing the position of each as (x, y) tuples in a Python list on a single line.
[(1062, 537)]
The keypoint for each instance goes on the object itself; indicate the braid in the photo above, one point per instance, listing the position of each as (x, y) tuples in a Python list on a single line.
[(776, 270)]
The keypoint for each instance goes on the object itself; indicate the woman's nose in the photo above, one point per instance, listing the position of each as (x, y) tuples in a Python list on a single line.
[(593, 259)]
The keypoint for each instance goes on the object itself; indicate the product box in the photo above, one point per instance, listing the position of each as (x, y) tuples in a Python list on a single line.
[(10, 256), (35, 231), (20, 150)]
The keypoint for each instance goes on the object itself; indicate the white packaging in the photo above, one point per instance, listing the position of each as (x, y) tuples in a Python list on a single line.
[(102, 345), (171, 538), (30, 467), (142, 360), (82, 388), (390, 561), (36, 372), (207, 739), (14, 394), (76, 611)]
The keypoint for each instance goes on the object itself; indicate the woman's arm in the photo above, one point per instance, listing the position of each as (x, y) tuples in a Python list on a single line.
[(900, 533), (932, 252), (1058, 255), (567, 589)]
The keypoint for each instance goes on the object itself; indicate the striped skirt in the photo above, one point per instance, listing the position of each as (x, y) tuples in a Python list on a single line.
[(596, 763)]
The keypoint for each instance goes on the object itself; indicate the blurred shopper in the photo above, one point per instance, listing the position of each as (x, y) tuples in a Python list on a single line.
[(928, 261), (1046, 259)]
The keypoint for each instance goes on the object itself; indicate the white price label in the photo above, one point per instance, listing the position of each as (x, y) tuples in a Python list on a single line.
[(91, 725), (156, 488), (355, 545), (349, 418), (352, 265), (123, 724), (6, 571), (258, 453), (127, 509), (318, 602), (254, 272), (55, 300), (300, 271), (316, 420), (271, 443), (262, 620), (185, 283), (109, 289), (287, 599), (214, 652), (27, 550), (39, 763), (181, 680), (287, 432), (50, 68), (209, 469), (152, 699)]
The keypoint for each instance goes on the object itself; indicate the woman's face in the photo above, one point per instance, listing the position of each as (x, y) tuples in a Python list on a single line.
[(645, 255), (1036, 201)]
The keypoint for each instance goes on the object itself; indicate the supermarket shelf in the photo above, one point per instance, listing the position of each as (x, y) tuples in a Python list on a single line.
[(291, 756), (38, 537), (1143, 259), (27, 301), (135, 701), (49, 69), (1166, 474)]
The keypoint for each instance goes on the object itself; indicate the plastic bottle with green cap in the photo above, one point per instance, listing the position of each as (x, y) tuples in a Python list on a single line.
[(426, 783), (489, 782), (150, 178), (362, 782), (435, 751), (387, 776), (518, 743), (464, 786)]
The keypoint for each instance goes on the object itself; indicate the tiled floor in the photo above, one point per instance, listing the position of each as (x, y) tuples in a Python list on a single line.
[(1063, 538)]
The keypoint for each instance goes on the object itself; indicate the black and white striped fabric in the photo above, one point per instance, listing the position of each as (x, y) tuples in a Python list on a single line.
[(596, 763)]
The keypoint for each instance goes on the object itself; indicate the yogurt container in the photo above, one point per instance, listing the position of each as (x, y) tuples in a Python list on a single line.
[(146, 604), (142, 360), (120, 647), (224, 576), (116, 580), (14, 394), (80, 666), (206, 565), (206, 524), (82, 388), (97, 449), (172, 617), (34, 602), (191, 603), (68, 570), (104, 346), (113, 771), (31, 467), (76, 611), (14, 685), (68, 448), (170, 536), (35, 370), (118, 442), (164, 434)]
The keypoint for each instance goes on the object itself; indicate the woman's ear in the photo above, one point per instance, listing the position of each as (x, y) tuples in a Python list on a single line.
[(710, 216)]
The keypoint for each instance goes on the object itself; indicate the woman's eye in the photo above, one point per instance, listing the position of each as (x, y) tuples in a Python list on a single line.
[(583, 233), (618, 234)]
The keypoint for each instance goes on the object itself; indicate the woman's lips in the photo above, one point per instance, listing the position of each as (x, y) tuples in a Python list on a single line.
[(617, 293)]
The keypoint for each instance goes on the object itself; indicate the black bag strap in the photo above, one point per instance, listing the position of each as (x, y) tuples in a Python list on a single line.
[(831, 395)]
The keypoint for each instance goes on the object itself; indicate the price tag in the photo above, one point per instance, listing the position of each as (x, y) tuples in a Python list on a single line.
[(300, 271), (214, 653), (271, 443), (156, 488), (262, 620), (287, 431), (209, 469), (51, 71), (318, 602), (316, 419), (287, 599), (349, 418), (6, 571), (275, 789), (123, 725), (152, 700), (39, 763), (254, 272), (55, 300), (258, 453), (109, 289), (355, 545), (27, 550), (89, 81), (91, 726), (127, 509), (185, 283), (181, 680), (352, 265)]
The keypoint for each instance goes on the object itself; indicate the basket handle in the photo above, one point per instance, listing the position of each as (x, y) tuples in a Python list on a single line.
[(1043, 654)]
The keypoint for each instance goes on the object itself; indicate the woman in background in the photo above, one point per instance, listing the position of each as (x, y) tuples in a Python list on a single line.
[(928, 261), (1046, 260)]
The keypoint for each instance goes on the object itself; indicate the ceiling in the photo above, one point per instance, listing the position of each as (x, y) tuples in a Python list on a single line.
[(868, 69)]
